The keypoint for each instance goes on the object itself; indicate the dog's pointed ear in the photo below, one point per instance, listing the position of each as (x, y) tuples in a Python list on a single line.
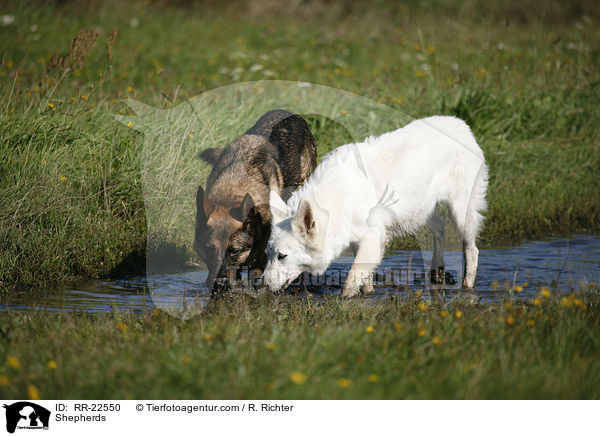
[(200, 212), (210, 155), (241, 212), (278, 207), (304, 222)]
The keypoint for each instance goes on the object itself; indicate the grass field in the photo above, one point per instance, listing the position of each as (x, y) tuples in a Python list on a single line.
[(70, 194), (544, 347)]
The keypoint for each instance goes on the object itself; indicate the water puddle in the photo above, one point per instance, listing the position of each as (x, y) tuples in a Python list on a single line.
[(563, 264)]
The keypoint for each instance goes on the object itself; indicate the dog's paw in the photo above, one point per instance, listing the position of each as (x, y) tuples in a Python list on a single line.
[(350, 291), (367, 288)]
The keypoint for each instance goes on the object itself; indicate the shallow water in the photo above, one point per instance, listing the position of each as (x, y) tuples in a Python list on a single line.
[(564, 264)]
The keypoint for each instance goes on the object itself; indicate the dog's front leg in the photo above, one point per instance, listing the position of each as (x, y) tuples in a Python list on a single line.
[(368, 256)]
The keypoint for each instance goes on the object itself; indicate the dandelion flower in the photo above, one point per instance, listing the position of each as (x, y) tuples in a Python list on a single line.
[(186, 359), (510, 320), (420, 73), (495, 285), (537, 302), (130, 89), (13, 362), (208, 336), (437, 340), (271, 346), (421, 332), (422, 306), (63, 178), (52, 364), (481, 73), (458, 314), (370, 329), (4, 381), (518, 288), (444, 313), (531, 322), (545, 292), (121, 326), (344, 383), (297, 377), (33, 393), (565, 302), (430, 49), (397, 326), (373, 378)]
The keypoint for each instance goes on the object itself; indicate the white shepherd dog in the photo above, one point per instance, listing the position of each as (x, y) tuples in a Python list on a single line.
[(360, 192)]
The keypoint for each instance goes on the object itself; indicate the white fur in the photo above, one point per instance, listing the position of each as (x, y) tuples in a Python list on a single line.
[(361, 190)]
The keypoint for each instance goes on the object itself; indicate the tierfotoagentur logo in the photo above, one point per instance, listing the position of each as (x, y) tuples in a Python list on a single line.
[(25, 415), (208, 167)]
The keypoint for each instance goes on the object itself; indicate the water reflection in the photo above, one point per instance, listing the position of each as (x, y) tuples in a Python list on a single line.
[(563, 264)]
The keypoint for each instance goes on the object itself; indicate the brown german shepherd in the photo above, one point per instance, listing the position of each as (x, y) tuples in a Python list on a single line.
[(233, 217)]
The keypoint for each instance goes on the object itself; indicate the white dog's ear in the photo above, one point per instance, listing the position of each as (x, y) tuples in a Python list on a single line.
[(304, 222), (278, 207)]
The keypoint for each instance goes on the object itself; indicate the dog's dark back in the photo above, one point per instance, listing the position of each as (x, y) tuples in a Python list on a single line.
[(233, 218)]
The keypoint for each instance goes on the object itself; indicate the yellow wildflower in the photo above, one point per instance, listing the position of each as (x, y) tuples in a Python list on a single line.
[(518, 288), (4, 381), (537, 302), (344, 383), (397, 326), (577, 302), (531, 322), (495, 285), (297, 377), (84, 97), (52, 364), (130, 89), (129, 124), (458, 314), (271, 346), (510, 320), (430, 49), (121, 326), (482, 73), (420, 73), (33, 393), (208, 336), (545, 292), (369, 329), (186, 359), (421, 332), (13, 362), (444, 313), (63, 178), (373, 378), (436, 340), (565, 302), (422, 306)]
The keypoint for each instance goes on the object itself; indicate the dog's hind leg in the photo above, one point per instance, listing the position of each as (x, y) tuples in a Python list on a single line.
[(368, 256), (437, 225)]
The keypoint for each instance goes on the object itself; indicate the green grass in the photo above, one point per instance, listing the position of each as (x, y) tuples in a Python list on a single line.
[(71, 201), (299, 349)]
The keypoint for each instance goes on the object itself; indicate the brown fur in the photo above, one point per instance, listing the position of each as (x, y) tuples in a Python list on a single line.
[(233, 217)]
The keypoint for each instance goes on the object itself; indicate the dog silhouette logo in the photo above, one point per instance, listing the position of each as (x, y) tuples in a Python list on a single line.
[(26, 415)]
